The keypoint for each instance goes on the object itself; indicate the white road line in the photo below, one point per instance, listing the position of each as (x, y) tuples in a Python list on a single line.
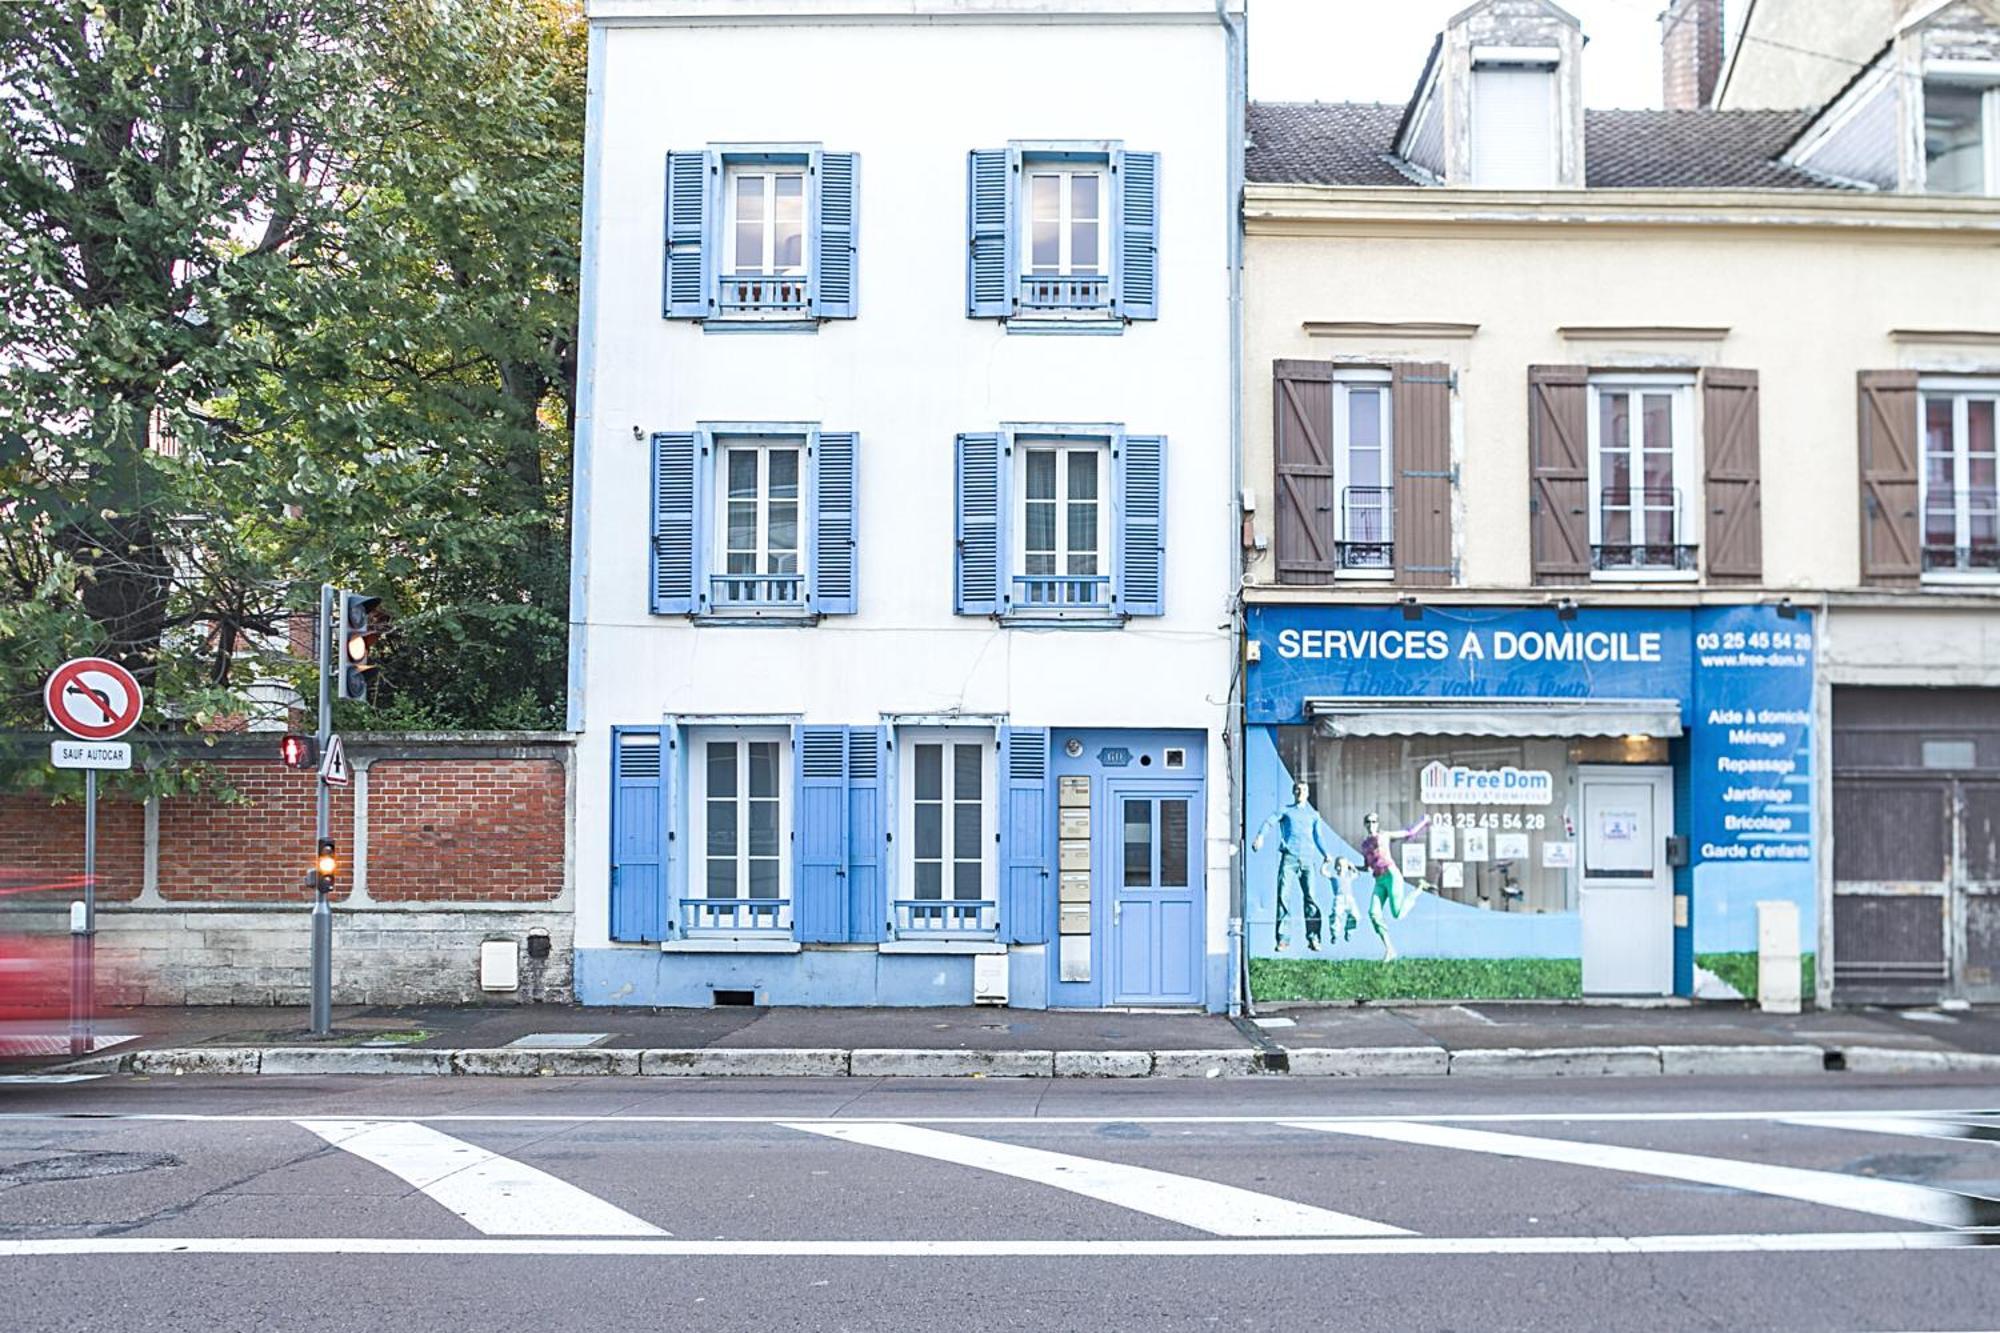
[(1920, 1127), (1885, 1198), (496, 1194), (18, 1080), (585, 1118), (1222, 1210), (1810, 1242)]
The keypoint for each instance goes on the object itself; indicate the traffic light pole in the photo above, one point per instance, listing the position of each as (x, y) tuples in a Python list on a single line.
[(322, 913)]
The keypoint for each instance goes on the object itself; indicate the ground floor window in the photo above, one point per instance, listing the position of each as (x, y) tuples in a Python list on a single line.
[(948, 879), (741, 874)]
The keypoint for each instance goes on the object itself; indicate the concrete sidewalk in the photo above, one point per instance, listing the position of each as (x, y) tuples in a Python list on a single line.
[(1472, 1038)]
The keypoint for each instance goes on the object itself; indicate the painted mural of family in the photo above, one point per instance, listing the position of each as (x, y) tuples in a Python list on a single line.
[(1301, 846)]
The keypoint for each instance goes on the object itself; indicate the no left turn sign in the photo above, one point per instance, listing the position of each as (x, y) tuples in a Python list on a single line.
[(93, 699)]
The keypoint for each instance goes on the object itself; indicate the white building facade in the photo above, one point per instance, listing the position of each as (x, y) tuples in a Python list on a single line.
[(901, 608)]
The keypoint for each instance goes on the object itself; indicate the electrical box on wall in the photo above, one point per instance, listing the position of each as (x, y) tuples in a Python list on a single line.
[(989, 978), (499, 966)]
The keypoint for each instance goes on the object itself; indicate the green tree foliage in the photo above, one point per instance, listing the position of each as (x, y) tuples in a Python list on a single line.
[(290, 295)]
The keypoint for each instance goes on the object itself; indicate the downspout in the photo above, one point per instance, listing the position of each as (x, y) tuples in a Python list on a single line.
[(1235, 110)]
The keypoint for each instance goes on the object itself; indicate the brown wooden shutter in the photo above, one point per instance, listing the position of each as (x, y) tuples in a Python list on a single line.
[(1733, 530), (1420, 394), (1889, 527), (1559, 473), (1303, 444)]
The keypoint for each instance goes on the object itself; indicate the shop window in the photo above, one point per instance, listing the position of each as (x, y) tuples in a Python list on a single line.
[(1500, 857), (1644, 486), (1960, 480)]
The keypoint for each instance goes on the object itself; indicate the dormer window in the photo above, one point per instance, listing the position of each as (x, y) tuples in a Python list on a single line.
[(1515, 121), (1961, 138)]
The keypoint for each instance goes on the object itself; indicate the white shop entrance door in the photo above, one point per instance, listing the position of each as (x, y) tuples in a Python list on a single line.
[(1627, 889)]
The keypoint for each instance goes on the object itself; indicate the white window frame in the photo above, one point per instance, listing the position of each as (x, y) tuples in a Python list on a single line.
[(698, 741), (1687, 478), (1066, 173), (763, 446), (907, 741), (1107, 515), (1960, 391), (1345, 382), (1982, 77), (766, 264), (1518, 61)]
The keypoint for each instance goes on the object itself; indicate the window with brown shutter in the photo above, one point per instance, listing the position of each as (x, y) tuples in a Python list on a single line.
[(1421, 392), (1559, 473), (1888, 448), (1302, 392), (1733, 487)]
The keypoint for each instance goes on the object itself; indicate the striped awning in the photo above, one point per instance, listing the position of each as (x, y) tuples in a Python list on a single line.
[(1558, 718)]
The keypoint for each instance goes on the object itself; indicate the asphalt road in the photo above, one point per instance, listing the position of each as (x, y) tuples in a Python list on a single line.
[(404, 1204)]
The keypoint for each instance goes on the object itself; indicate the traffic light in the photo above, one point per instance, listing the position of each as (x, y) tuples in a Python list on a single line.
[(326, 866), (361, 621), (298, 751)]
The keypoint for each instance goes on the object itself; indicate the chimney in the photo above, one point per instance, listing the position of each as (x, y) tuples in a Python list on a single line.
[(1690, 53)]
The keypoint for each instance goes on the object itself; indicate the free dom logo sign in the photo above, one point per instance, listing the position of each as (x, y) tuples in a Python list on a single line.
[(1455, 784), (93, 699)]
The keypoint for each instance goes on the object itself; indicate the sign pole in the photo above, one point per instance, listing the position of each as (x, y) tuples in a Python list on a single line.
[(322, 913), (83, 933)]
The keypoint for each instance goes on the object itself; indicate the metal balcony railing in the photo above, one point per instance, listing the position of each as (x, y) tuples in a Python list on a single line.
[(751, 591), (1367, 528), (1077, 291), (1976, 515), (736, 916), (947, 918), (1635, 511), (763, 294), (1062, 592)]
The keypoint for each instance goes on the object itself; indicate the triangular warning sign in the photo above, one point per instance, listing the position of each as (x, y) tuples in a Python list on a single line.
[(333, 764)]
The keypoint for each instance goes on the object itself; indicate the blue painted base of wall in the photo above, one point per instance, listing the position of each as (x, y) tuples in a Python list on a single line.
[(836, 976)]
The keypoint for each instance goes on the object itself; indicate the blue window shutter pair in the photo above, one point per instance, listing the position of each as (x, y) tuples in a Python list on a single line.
[(1024, 835), (683, 481), (646, 865), (837, 815), (993, 266), (694, 243), (985, 516)]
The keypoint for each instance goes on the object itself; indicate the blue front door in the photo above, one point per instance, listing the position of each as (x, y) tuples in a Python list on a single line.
[(1156, 893)]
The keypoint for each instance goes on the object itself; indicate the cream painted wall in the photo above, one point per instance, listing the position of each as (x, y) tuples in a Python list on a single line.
[(1805, 307), (911, 97)]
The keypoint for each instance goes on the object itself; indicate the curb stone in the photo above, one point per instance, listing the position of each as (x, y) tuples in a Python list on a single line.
[(1209, 1064), (352, 1060), (1370, 1061), (1896, 1060), (496, 1062), (1103, 1064), (742, 1062), (200, 1060), (1742, 1060), (943, 1063), (1557, 1060)]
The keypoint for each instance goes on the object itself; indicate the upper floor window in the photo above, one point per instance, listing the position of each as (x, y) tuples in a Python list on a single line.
[(761, 236), (754, 521), (1061, 524), (1362, 469), (1642, 471), (1961, 138), (1514, 120), (1960, 479), (1063, 235)]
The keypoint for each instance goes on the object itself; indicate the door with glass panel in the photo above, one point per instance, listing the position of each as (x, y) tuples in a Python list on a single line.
[(1156, 894), (741, 874)]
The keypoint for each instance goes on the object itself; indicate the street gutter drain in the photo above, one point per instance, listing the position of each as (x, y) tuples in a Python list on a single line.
[(745, 998)]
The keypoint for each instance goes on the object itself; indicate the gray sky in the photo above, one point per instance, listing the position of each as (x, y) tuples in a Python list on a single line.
[(1372, 50)]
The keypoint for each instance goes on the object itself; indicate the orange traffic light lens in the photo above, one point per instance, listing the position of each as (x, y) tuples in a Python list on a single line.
[(327, 865), (357, 647)]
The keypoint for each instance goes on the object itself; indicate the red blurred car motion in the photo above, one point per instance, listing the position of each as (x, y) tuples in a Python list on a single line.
[(35, 965)]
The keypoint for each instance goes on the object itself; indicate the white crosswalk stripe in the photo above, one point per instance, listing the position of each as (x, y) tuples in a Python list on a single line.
[(1884, 1198), (1221, 1210), (496, 1194)]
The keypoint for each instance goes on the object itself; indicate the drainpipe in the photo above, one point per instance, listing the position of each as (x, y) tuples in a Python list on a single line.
[(1234, 111)]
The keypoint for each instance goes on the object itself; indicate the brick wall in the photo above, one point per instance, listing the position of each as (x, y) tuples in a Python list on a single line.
[(1690, 53), (41, 846), (471, 830), (254, 849)]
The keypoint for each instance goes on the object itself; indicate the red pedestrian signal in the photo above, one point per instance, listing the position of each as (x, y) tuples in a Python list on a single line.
[(297, 751)]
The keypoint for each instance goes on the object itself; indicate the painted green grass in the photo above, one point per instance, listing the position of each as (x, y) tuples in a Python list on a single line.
[(1416, 979), (1740, 971)]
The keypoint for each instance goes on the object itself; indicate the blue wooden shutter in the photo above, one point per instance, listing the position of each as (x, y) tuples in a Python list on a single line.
[(687, 285), (676, 461), (989, 283), (1024, 834), (867, 827), (1142, 525), (981, 508), (638, 834), (834, 265), (833, 547), (819, 816), (1138, 234)]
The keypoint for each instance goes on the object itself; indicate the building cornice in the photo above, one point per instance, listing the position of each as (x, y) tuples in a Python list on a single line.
[(770, 13), (1968, 600), (1305, 210)]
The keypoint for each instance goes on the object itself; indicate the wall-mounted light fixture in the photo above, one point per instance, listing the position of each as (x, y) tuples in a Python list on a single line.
[(1787, 611), (1412, 610), (1566, 608)]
